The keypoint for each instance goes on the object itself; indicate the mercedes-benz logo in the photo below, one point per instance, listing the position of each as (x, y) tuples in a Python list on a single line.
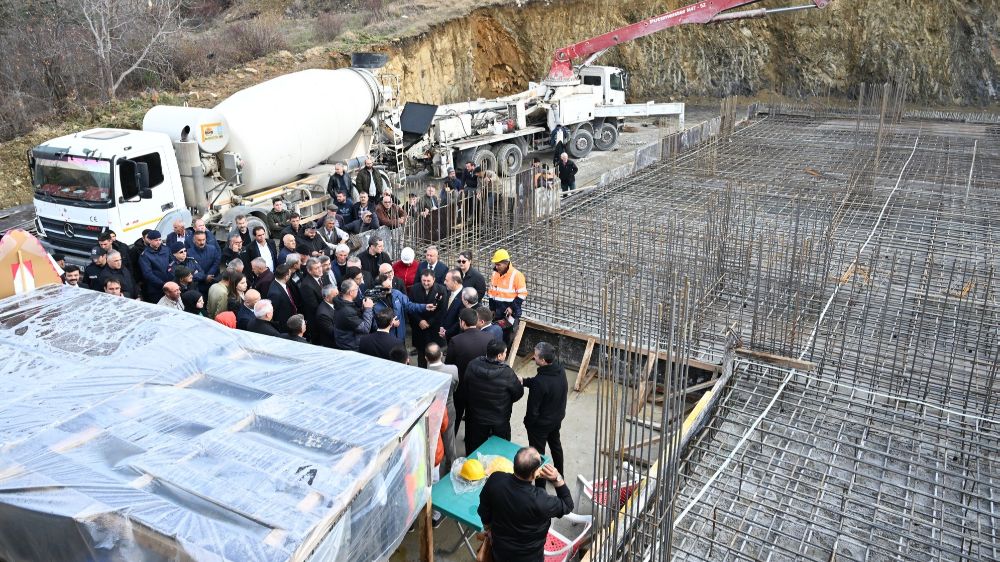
[(68, 229)]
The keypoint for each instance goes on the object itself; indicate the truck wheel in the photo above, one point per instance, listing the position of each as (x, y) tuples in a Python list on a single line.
[(581, 145), (253, 221), (485, 159), (509, 159), (607, 137)]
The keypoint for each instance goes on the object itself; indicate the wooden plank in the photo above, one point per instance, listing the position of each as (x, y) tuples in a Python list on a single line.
[(518, 334), (645, 386), (779, 360), (591, 375), (693, 388), (579, 385), (427, 533), (664, 355)]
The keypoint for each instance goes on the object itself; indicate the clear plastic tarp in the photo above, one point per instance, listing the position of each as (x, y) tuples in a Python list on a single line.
[(130, 431)]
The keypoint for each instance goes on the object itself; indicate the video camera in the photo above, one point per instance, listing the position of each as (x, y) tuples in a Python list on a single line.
[(377, 293)]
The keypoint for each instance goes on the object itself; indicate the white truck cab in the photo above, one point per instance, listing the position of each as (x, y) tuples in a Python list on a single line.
[(104, 179), (611, 81)]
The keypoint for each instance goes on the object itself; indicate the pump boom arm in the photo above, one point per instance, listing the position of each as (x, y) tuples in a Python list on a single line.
[(700, 12)]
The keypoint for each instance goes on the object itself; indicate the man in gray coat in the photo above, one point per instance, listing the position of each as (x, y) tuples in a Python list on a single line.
[(433, 355)]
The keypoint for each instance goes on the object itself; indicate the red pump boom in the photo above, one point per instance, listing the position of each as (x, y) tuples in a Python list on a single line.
[(700, 12)]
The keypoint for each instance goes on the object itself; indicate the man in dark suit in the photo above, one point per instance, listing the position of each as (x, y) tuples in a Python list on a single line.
[(263, 313), (263, 247), (296, 329), (281, 298), (322, 327), (245, 313), (452, 305), (432, 263), (311, 290), (426, 324), (381, 343), (261, 277), (462, 349)]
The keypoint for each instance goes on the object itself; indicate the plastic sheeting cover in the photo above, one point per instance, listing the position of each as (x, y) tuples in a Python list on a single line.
[(132, 432)]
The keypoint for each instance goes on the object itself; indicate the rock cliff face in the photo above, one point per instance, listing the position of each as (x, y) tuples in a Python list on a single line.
[(948, 50)]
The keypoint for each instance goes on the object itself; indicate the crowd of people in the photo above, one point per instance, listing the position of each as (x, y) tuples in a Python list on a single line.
[(302, 284)]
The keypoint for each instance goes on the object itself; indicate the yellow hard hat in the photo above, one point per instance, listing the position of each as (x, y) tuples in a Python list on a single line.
[(501, 255), (472, 470), (501, 464)]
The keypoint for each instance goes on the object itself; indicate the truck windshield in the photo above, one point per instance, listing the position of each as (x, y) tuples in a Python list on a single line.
[(76, 179)]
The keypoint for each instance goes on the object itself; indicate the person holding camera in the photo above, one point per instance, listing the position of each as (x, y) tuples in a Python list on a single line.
[(385, 296), (351, 321)]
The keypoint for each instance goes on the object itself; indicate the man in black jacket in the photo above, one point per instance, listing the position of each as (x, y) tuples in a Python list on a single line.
[(349, 323), (546, 404), (374, 256), (381, 343), (425, 325), (462, 349), (263, 315), (322, 326), (518, 514), (567, 170), (491, 388)]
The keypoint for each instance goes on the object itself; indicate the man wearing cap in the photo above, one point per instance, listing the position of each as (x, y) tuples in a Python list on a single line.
[(452, 182), (136, 250), (154, 263), (179, 257), (507, 292), (92, 273), (405, 268), (278, 217), (208, 256)]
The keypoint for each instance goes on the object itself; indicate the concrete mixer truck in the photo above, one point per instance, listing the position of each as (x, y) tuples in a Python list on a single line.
[(266, 141)]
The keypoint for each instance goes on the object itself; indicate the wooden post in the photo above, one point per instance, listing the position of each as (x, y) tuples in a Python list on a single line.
[(518, 334), (580, 384), (426, 533)]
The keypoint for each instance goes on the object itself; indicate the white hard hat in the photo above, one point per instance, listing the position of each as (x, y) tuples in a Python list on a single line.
[(407, 255)]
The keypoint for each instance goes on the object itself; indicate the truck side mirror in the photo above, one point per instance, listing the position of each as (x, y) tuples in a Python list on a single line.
[(134, 179)]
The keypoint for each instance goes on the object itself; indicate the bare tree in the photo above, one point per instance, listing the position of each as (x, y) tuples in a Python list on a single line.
[(128, 35)]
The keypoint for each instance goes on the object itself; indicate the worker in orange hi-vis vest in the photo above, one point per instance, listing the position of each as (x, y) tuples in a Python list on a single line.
[(507, 292)]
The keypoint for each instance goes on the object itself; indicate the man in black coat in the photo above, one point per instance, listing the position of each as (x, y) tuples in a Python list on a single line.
[(263, 313), (567, 170), (546, 404), (462, 350), (452, 305), (322, 327), (263, 247), (311, 290), (434, 264), (380, 343), (426, 324), (518, 514), (280, 295), (115, 269), (374, 257), (296, 329), (491, 388), (350, 323)]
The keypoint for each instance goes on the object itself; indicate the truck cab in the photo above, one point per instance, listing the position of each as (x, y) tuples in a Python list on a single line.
[(103, 179), (610, 81)]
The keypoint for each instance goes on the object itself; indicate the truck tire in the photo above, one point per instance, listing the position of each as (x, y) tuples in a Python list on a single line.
[(485, 159), (509, 159), (253, 221), (581, 144), (606, 137)]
